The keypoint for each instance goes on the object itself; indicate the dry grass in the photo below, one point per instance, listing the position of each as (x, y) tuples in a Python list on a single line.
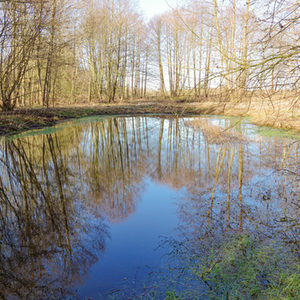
[(276, 114)]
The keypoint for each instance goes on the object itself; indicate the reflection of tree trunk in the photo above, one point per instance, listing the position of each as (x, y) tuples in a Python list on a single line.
[(208, 158), (28, 234), (199, 135), (127, 147), (177, 137), (296, 168), (60, 189), (147, 135), (284, 167), (159, 149), (48, 197), (120, 148), (218, 171), (228, 190), (240, 185)]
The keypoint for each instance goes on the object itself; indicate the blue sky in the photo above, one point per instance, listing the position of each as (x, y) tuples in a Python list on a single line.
[(153, 7)]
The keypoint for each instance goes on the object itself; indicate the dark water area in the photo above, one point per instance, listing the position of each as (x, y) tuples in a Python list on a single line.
[(85, 206)]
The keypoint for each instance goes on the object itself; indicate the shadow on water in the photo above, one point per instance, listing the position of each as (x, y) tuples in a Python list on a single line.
[(62, 193)]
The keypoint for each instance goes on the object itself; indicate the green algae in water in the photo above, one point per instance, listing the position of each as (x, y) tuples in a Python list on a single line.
[(46, 130), (276, 133), (57, 127)]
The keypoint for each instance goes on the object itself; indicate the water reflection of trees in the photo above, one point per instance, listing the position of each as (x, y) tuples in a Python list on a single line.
[(44, 240), (55, 190), (114, 167), (238, 184), (234, 183)]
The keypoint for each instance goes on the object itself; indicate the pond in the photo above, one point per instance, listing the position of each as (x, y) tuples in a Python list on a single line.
[(86, 207)]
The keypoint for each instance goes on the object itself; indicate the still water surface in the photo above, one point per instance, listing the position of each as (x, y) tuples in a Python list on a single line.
[(84, 206)]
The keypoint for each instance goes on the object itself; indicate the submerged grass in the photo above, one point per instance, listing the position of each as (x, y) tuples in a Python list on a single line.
[(245, 268), (274, 132), (241, 267)]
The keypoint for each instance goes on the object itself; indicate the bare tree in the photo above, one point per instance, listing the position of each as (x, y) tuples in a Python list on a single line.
[(20, 24)]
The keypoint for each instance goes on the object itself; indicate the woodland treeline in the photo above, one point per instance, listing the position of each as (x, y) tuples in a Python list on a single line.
[(76, 51)]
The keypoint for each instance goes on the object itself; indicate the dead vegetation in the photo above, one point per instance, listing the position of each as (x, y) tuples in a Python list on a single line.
[(276, 115)]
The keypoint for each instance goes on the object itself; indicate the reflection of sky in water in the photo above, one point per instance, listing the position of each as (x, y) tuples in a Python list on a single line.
[(132, 251), (128, 181)]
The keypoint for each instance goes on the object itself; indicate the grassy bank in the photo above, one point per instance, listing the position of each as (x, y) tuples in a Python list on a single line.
[(25, 119)]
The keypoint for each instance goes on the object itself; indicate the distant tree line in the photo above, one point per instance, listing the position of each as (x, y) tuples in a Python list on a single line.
[(70, 51)]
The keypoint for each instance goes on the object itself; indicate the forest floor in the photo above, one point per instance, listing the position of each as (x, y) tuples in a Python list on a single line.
[(22, 119)]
